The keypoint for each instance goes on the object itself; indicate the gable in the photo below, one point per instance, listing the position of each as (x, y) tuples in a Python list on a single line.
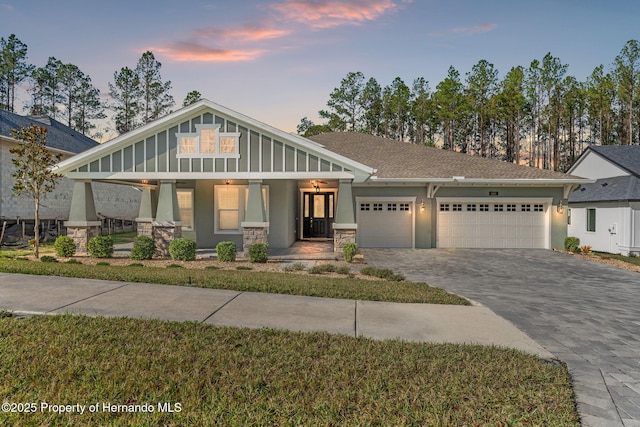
[(594, 166), (153, 151)]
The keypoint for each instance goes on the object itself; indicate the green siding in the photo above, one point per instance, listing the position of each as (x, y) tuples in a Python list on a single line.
[(150, 154), (302, 161), (255, 152), (105, 164), (162, 152), (196, 165), (219, 165), (128, 159), (207, 118), (207, 165), (325, 166), (243, 162), (278, 148), (173, 150), (184, 165), (231, 165), (139, 156), (266, 154), (289, 158), (94, 166), (116, 161)]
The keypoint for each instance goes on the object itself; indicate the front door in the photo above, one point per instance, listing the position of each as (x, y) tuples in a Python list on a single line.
[(318, 215)]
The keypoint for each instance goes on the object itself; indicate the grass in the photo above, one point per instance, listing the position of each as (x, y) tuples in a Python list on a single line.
[(232, 376), (249, 281), (635, 260), (127, 237)]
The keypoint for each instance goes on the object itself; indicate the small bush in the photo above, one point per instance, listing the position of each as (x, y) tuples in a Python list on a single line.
[(349, 251), (102, 263), (322, 268), (298, 266), (258, 253), (182, 249), (571, 244), (64, 246), (47, 258), (585, 249), (101, 247), (382, 273), (143, 248), (226, 251), (135, 264), (174, 266), (343, 270), (244, 267), (72, 261), (212, 267)]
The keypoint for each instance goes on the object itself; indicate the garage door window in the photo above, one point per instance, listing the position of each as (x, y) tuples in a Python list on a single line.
[(404, 207), (364, 206), (471, 207), (444, 207), (538, 208), (377, 207), (511, 208), (526, 208), (392, 207), (498, 208), (484, 208)]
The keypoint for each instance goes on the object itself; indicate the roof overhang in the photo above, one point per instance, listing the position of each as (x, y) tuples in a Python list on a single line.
[(14, 141)]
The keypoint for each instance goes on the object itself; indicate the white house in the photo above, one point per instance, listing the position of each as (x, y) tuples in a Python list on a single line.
[(606, 213)]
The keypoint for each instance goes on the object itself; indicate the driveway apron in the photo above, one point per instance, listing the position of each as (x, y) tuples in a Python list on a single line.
[(585, 313)]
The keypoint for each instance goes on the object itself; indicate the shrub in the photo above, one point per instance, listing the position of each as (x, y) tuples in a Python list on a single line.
[(174, 266), (212, 267), (182, 249), (298, 266), (143, 248), (47, 258), (102, 263), (64, 246), (571, 244), (72, 261), (349, 251), (226, 251), (101, 247), (382, 273), (343, 270), (322, 268), (135, 264), (585, 249), (258, 253), (244, 267)]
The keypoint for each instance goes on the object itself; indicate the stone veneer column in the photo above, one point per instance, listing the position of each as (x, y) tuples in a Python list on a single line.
[(83, 223), (254, 226), (167, 225), (344, 226)]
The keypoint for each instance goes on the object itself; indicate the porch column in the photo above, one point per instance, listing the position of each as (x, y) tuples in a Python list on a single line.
[(144, 221), (344, 226), (255, 225), (83, 223), (167, 225)]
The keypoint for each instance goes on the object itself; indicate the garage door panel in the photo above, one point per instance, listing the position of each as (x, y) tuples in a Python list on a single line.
[(505, 225), (390, 226)]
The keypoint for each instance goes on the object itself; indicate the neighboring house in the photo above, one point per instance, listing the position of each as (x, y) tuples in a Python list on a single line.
[(112, 201), (606, 213), (211, 174)]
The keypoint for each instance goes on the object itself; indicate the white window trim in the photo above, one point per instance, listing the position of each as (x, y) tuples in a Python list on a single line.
[(244, 197), (193, 208), (217, 154)]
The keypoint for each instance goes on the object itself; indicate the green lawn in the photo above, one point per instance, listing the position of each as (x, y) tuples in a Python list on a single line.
[(232, 376), (628, 259), (249, 281)]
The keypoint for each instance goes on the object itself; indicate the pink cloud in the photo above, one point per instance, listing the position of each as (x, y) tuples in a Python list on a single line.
[(246, 34), (190, 51), (333, 13)]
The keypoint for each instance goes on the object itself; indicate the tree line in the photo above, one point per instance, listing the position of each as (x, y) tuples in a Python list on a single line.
[(62, 91), (538, 115)]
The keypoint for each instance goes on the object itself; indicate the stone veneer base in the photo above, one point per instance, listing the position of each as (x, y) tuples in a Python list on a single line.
[(163, 235), (253, 235), (341, 236), (81, 236)]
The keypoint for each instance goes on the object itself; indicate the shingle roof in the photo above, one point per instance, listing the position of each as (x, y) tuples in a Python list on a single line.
[(59, 136), (625, 156), (619, 188), (395, 159)]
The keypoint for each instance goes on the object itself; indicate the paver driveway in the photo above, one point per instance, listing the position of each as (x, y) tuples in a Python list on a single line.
[(585, 313)]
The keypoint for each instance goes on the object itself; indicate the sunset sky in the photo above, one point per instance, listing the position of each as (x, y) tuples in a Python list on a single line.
[(278, 61)]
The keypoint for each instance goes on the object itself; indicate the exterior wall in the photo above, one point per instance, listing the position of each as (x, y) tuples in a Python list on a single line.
[(617, 227), (424, 224), (111, 200), (595, 167), (283, 211)]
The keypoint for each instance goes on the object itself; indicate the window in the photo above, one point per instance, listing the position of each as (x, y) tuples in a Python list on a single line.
[(484, 208), (392, 207), (511, 208), (471, 208), (456, 207), (404, 207), (498, 208), (568, 216), (444, 207), (230, 203), (591, 220), (377, 206), (185, 206), (525, 208), (538, 208), (208, 141), (364, 206)]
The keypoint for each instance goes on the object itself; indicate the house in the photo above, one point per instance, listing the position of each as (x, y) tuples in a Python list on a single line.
[(212, 174), (112, 201), (606, 213)]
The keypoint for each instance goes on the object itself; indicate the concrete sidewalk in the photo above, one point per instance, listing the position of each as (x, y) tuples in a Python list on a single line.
[(27, 294)]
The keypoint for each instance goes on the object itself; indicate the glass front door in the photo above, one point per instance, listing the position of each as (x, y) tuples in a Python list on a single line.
[(318, 215)]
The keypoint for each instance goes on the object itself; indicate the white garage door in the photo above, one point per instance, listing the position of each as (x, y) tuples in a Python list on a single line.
[(503, 224), (384, 224)]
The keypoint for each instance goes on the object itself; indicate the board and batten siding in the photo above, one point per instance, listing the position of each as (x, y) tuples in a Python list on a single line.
[(259, 152)]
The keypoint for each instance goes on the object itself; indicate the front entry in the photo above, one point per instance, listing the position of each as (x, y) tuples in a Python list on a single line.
[(318, 215)]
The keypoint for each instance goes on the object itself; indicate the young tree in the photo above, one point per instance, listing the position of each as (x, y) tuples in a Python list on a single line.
[(450, 105), (422, 113), (155, 99), (88, 106), (14, 69), (70, 78), (125, 92), (46, 92), (511, 109), (601, 93), (191, 98), (627, 73), (371, 100), (33, 175), (396, 105), (481, 86)]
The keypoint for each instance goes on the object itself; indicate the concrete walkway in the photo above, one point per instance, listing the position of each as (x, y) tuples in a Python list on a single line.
[(584, 312), (27, 294)]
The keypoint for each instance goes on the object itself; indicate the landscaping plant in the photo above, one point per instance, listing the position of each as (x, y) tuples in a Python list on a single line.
[(349, 251), (226, 251), (101, 247), (143, 248), (571, 244), (258, 253), (182, 249), (64, 246)]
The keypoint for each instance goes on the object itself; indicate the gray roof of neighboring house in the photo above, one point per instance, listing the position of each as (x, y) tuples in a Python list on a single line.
[(395, 159), (614, 189), (59, 136), (624, 156)]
